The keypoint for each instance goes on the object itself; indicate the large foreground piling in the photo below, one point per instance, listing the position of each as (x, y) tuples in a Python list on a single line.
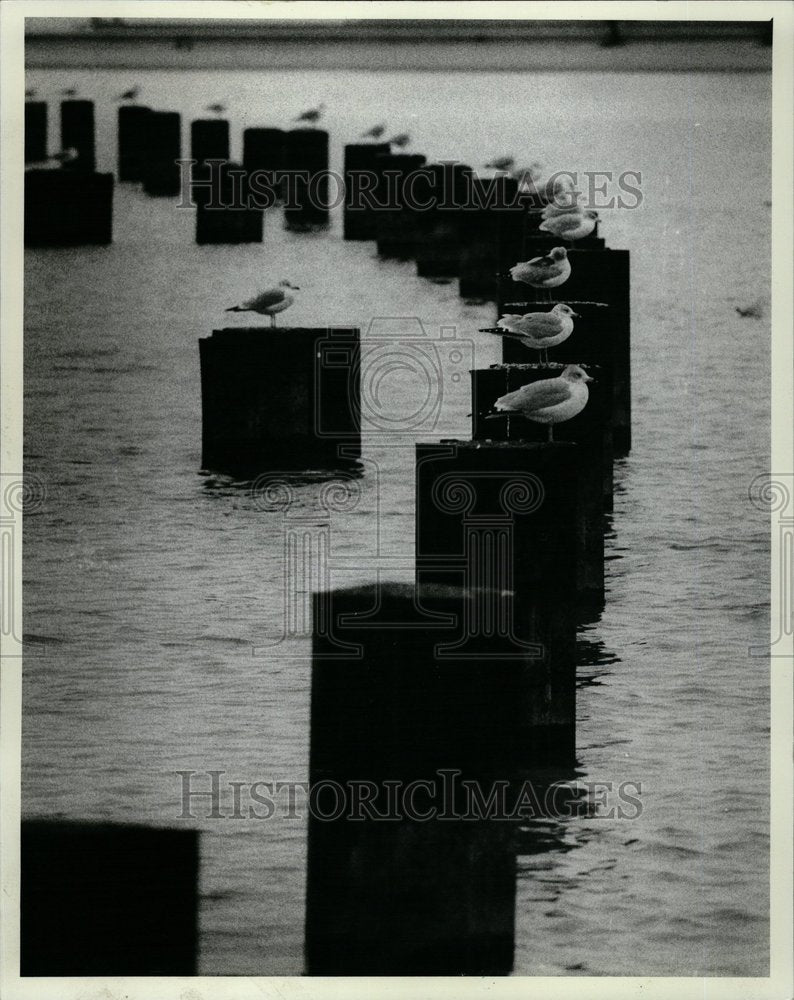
[(209, 139), (440, 225), (405, 875), (283, 398), (224, 212), (108, 900), (35, 131), (77, 132), (306, 164), (263, 154), (68, 208), (162, 176), (590, 430), (493, 228), (597, 276), (360, 179), (403, 182), (500, 517), (133, 134)]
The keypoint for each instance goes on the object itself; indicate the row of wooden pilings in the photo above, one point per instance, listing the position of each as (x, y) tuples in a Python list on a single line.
[(470, 672)]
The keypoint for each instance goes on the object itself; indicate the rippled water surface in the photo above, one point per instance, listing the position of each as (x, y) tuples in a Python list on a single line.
[(153, 596)]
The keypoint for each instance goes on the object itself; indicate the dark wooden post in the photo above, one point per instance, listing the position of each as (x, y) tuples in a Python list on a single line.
[(360, 179), (108, 900), (283, 398), (209, 140), (68, 208), (35, 131), (596, 276), (306, 162), (494, 224), (77, 132), (401, 179), (438, 250), (161, 173), (263, 151), (133, 132), (225, 213), (590, 430), (501, 517), (397, 711)]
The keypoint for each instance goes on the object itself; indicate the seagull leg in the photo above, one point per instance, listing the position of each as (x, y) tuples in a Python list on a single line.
[(551, 432), (272, 320)]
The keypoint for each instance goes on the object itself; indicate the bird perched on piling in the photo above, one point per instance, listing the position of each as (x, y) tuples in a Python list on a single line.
[(544, 272), (374, 133), (572, 225), (501, 163), (539, 330), (549, 401), (400, 140), (269, 302), (312, 115), (216, 108), (129, 95), (69, 92), (527, 177), (30, 94)]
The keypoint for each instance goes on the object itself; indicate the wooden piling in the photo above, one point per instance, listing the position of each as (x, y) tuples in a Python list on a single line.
[(161, 174), (493, 230), (596, 276), (306, 160), (35, 131), (77, 132), (590, 430), (501, 517), (438, 250), (282, 398), (209, 139), (68, 208), (395, 217), (263, 151), (108, 900), (133, 139), (229, 219), (360, 177), (424, 892)]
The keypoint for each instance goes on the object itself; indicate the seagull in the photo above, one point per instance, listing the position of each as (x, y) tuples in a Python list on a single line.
[(129, 95), (753, 311), (544, 272), (30, 94), (69, 92), (312, 115), (270, 302), (527, 176), (374, 133), (539, 330), (574, 225), (501, 163), (217, 108), (549, 401), (400, 140)]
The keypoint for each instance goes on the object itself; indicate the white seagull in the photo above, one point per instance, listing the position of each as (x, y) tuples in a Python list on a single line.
[(574, 225), (550, 401), (544, 272), (539, 330), (270, 302)]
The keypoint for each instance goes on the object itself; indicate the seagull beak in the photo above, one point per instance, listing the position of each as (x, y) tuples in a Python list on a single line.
[(576, 315), (589, 378)]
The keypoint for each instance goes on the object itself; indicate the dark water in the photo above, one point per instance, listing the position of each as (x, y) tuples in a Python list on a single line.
[(155, 599)]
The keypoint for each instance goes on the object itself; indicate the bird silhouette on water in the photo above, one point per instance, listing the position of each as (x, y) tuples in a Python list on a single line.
[(312, 115), (216, 108), (269, 302), (129, 95), (69, 92), (549, 401), (374, 133)]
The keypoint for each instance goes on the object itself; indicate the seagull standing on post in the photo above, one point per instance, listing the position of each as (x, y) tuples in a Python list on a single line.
[(400, 140), (539, 330), (269, 302), (374, 133), (544, 272), (573, 225), (312, 116), (129, 95), (550, 401)]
